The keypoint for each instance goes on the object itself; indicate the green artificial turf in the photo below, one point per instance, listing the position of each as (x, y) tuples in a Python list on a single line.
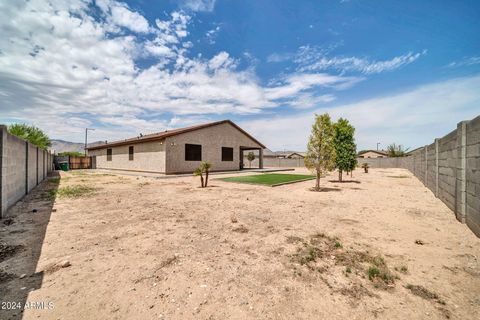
[(269, 179)]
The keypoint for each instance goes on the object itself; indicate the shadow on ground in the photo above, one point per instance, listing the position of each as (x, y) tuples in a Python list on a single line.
[(22, 232), (322, 189), (344, 181)]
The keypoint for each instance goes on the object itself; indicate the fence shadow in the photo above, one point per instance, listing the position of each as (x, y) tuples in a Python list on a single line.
[(22, 233)]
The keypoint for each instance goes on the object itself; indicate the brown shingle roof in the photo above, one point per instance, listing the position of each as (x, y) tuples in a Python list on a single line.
[(170, 133)]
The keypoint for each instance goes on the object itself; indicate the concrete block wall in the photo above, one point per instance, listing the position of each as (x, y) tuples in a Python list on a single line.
[(271, 162), (13, 179), (450, 168), (431, 166), (21, 168), (472, 173), (32, 167), (447, 159)]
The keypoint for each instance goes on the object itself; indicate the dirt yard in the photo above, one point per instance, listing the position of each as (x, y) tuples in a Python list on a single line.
[(126, 247)]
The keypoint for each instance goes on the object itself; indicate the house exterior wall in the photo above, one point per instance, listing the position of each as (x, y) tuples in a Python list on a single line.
[(147, 156), (372, 155), (212, 140)]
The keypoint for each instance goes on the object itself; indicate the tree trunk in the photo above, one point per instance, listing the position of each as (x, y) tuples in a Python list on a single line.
[(206, 178), (201, 179), (317, 184), (340, 175)]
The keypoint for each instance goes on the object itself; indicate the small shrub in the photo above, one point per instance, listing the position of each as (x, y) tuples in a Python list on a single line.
[(204, 167), (309, 257), (373, 272), (348, 270), (365, 167), (378, 261), (338, 245)]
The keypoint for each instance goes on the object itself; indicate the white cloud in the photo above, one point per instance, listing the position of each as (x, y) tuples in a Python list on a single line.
[(121, 15), (212, 34), (279, 57), (297, 83), (198, 5), (413, 118), (470, 61), (221, 60), (319, 58), (313, 60), (58, 63)]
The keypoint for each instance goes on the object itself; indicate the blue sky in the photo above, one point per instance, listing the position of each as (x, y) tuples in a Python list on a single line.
[(400, 71)]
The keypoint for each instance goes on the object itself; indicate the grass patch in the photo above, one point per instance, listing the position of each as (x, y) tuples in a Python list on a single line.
[(270, 179), (72, 191)]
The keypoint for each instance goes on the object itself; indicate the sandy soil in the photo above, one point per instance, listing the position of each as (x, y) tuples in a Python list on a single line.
[(146, 248)]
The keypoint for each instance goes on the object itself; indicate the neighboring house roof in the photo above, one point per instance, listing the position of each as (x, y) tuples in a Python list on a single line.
[(381, 152), (170, 133)]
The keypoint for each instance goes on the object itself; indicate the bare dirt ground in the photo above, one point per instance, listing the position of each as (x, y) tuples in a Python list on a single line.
[(142, 248)]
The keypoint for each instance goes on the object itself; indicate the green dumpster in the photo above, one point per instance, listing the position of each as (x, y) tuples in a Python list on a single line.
[(63, 166)]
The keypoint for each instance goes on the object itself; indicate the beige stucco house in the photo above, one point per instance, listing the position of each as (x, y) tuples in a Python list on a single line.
[(221, 143)]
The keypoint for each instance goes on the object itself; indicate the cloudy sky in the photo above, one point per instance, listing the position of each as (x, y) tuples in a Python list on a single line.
[(400, 71)]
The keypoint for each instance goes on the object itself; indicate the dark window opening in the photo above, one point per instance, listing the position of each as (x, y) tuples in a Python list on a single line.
[(109, 154), (130, 153), (227, 154), (193, 152)]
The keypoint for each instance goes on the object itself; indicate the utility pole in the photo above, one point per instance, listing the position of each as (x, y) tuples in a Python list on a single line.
[(86, 138), (378, 143)]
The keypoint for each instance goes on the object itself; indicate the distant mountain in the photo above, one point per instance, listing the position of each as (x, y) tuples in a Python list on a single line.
[(65, 146)]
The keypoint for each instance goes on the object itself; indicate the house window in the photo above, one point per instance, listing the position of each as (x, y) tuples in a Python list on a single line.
[(193, 152), (227, 154), (130, 153), (109, 154)]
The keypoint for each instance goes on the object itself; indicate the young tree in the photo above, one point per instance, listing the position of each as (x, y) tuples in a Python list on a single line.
[(199, 172), (250, 158), (345, 147), (365, 167), (205, 167), (320, 149), (30, 133)]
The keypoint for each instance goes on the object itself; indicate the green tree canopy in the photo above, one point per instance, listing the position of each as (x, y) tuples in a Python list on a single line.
[(250, 158), (320, 149), (345, 147), (32, 134), (395, 150)]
